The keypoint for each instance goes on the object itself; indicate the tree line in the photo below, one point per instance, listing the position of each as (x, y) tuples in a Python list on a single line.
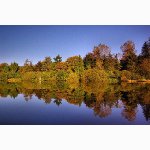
[(100, 65)]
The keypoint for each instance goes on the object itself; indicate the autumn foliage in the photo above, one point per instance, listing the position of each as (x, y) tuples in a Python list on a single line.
[(98, 66)]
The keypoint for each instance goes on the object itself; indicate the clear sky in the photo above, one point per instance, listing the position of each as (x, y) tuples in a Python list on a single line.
[(17, 43)]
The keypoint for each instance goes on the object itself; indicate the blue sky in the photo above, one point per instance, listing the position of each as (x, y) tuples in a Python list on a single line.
[(17, 43)]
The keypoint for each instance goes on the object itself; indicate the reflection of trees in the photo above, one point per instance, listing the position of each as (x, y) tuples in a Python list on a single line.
[(129, 113), (130, 102), (89, 99), (102, 110), (144, 100), (146, 111), (101, 103), (101, 99), (14, 92), (103, 107), (27, 94), (27, 97), (4, 92), (75, 96), (58, 101), (9, 89), (44, 94)]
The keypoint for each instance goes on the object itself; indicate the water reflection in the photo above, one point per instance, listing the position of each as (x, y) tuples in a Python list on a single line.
[(101, 99)]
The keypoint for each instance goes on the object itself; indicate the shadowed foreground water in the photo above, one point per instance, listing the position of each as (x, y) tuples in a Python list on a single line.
[(46, 104)]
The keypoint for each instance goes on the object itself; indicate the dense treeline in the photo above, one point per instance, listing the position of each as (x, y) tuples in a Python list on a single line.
[(100, 65)]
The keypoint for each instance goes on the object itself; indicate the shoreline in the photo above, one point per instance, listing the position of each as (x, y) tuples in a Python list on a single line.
[(16, 80), (137, 81)]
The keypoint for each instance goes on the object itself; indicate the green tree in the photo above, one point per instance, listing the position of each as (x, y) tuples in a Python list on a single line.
[(95, 59), (89, 61), (94, 76), (61, 75), (58, 58), (146, 49), (38, 66), (4, 67), (75, 64), (144, 60), (14, 67), (145, 68), (111, 63)]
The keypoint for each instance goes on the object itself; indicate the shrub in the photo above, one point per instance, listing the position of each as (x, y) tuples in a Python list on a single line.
[(73, 80), (3, 76), (31, 76), (61, 75), (94, 76), (48, 76)]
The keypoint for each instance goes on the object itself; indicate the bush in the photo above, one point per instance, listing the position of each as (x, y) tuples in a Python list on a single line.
[(3, 76), (61, 75), (127, 75), (73, 80), (31, 76), (94, 76), (48, 76)]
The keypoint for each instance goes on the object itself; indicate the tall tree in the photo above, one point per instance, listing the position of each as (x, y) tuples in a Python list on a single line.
[(145, 67), (89, 61), (101, 51), (111, 63), (129, 58), (144, 60), (146, 49)]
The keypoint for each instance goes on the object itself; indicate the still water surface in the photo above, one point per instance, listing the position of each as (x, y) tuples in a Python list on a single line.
[(27, 104)]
